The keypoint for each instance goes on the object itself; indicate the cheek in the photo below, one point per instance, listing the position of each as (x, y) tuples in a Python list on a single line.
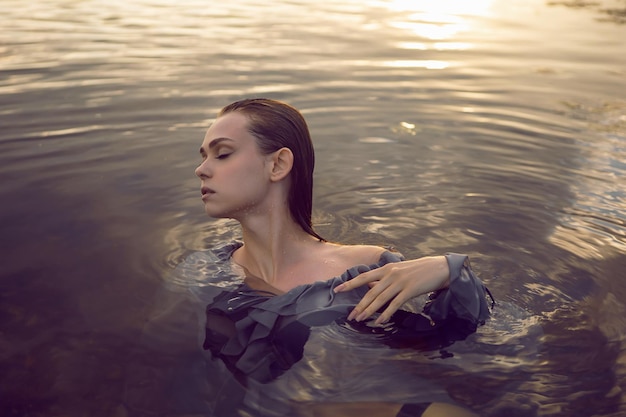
[(246, 173)]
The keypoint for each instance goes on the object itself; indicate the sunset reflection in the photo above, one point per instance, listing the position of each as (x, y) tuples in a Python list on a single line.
[(436, 21), (442, 7), (427, 64)]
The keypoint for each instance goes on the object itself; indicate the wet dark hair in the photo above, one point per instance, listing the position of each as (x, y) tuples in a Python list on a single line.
[(278, 125)]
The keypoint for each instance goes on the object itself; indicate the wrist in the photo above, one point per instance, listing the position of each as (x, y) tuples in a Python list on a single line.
[(444, 274)]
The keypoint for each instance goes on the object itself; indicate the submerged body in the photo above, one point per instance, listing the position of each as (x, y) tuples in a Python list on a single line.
[(292, 351), (260, 332)]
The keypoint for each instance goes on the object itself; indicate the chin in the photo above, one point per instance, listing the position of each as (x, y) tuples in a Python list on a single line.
[(217, 214)]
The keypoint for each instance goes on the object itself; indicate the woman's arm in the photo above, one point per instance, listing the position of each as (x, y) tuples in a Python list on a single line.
[(396, 283)]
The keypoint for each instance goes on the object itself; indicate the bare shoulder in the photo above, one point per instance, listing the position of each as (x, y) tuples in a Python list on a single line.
[(356, 254), (326, 260)]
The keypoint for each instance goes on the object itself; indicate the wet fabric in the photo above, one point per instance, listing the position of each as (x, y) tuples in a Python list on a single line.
[(259, 335), (413, 410)]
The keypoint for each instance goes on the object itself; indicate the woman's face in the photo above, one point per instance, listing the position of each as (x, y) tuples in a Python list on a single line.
[(234, 175)]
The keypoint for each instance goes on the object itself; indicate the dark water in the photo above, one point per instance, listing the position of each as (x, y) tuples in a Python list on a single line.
[(494, 128)]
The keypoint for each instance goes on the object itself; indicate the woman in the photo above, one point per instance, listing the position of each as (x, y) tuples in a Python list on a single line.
[(257, 168)]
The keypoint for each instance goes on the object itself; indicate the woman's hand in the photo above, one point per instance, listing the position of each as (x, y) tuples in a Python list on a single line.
[(397, 283)]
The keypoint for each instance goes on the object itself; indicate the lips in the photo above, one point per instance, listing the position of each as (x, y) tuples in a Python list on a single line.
[(206, 191)]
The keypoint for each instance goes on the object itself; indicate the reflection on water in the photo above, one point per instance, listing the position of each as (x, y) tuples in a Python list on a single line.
[(437, 22), (594, 225), (611, 11), (494, 128)]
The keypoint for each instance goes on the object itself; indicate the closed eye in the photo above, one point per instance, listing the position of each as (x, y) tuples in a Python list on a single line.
[(222, 156)]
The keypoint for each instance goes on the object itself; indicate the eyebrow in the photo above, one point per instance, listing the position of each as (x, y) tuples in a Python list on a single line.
[(215, 142)]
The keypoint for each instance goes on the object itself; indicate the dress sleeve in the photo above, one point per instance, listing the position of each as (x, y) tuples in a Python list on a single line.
[(464, 301)]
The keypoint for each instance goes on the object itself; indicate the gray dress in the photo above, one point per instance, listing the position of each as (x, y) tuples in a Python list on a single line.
[(260, 335)]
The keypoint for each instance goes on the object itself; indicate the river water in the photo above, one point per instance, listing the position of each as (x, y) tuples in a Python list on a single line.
[(493, 128)]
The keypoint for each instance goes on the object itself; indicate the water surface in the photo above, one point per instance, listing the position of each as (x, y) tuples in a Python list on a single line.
[(496, 129)]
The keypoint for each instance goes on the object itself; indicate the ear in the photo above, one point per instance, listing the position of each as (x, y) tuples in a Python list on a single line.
[(281, 163)]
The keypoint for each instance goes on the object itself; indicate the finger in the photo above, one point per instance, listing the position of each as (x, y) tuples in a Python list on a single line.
[(365, 301), (362, 279), (377, 302), (393, 306)]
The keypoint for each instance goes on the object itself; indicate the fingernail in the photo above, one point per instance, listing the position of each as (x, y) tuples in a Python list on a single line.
[(338, 288), (352, 314), (361, 316)]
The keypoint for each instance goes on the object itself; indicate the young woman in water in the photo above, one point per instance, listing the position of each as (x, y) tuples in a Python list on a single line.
[(257, 168)]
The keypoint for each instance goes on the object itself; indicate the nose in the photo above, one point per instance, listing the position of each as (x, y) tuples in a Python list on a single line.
[(202, 170)]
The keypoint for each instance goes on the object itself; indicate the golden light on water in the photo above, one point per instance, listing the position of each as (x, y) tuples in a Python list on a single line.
[(438, 20), (427, 64), (441, 7), (438, 29), (434, 26)]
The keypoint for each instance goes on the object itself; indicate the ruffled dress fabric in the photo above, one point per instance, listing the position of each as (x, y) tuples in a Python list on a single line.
[(259, 335)]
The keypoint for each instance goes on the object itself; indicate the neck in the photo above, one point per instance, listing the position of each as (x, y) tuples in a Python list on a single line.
[(273, 245)]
